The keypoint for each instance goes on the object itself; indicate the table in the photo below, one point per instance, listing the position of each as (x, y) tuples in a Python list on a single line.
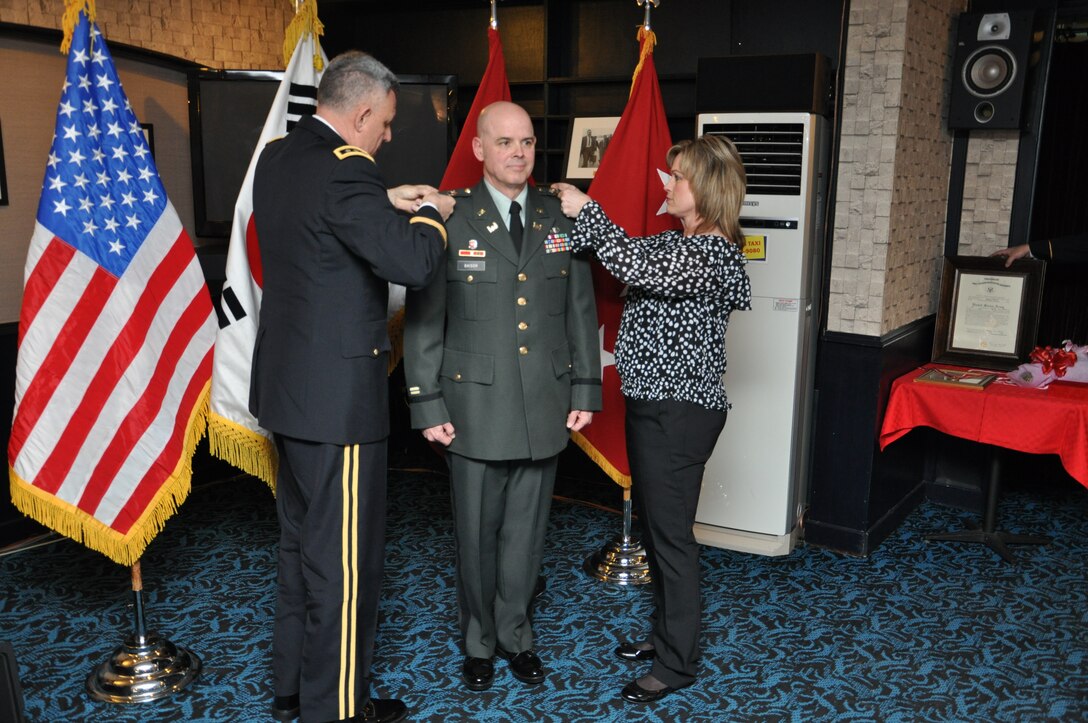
[(1050, 421)]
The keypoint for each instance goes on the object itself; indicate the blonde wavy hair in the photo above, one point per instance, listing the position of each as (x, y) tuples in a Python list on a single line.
[(715, 171)]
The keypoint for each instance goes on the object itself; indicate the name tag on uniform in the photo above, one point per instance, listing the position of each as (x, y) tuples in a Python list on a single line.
[(557, 243), (471, 265)]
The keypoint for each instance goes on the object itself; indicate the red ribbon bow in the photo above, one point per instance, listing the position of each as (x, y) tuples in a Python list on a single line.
[(1056, 360)]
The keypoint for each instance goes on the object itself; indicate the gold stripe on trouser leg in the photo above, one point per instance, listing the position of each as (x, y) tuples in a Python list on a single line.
[(354, 607), (344, 574)]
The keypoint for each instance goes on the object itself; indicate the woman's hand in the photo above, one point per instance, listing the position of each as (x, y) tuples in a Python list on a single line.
[(571, 199)]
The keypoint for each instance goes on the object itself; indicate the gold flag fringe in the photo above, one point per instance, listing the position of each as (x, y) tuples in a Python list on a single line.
[(645, 49), (623, 480), (124, 549), (70, 18), (305, 21), (247, 450)]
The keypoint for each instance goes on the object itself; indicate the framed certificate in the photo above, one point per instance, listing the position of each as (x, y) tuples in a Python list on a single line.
[(988, 314)]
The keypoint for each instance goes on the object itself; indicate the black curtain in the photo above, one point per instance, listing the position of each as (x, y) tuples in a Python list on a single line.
[(1061, 198)]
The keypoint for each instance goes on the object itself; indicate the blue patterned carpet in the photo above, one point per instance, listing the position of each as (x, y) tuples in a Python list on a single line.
[(916, 632)]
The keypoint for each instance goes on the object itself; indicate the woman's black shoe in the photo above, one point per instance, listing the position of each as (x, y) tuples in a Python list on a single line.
[(635, 693), (629, 651)]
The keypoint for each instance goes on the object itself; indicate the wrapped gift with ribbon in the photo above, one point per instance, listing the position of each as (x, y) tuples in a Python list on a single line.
[(1068, 363)]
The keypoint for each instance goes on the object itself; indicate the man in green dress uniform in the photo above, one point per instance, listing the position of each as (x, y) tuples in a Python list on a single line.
[(502, 362)]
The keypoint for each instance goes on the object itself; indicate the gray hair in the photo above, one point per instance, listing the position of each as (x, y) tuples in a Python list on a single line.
[(352, 76)]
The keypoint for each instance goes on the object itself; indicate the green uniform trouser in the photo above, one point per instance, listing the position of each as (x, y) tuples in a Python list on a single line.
[(500, 512)]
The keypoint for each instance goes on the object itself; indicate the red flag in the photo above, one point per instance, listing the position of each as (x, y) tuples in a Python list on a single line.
[(463, 169), (115, 331), (630, 186)]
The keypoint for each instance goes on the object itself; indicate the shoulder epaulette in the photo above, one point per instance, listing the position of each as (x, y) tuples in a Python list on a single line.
[(349, 151), (459, 192)]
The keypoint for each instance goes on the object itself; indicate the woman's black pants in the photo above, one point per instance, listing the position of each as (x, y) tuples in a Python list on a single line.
[(668, 444)]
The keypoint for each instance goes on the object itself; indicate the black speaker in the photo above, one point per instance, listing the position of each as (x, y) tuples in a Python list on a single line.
[(747, 83), (11, 694), (990, 69)]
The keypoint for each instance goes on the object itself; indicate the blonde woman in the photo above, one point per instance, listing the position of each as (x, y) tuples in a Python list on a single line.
[(670, 355)]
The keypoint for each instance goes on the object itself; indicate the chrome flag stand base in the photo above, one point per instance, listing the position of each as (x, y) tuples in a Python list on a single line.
[(622, 561), (146, 667)]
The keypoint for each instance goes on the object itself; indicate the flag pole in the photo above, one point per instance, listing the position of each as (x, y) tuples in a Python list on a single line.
[(622, 560), (146, 666)]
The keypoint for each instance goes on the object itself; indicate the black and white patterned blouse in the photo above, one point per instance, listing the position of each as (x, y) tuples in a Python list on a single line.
[(681, 290)]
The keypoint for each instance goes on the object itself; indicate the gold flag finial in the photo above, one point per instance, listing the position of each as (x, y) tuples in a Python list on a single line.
[(649, 5), (68, 21), (645, 48)]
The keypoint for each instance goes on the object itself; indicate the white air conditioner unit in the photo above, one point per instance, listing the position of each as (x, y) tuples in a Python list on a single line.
[(756, 481)]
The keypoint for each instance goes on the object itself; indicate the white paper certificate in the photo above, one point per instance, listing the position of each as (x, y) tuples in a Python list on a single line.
[(987, 312)]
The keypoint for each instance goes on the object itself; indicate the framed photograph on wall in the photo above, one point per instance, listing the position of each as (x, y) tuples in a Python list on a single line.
[(3, 174), (149, 136), (988, 315), (589, 138)]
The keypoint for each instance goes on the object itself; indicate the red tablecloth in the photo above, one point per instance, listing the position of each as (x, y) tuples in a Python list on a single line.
[(1050, 421)]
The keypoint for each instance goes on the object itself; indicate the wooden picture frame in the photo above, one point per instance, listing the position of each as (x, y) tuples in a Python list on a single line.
[(582, 161), (3, 173), (988, 315)]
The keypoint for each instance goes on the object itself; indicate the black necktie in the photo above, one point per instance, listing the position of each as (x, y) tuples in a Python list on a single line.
[(516, 229)]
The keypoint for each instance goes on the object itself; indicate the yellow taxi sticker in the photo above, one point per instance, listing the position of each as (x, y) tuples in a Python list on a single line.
[(755, 248)]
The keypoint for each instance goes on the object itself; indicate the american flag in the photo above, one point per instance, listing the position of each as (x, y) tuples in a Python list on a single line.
[(115, 332)]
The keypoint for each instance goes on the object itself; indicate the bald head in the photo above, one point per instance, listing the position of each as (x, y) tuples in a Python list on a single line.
[(506, 144), (498, 112)]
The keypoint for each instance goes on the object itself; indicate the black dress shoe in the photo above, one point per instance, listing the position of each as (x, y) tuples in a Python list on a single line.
[(525, 666), (629, 651), (541, 586), (378, 710), (478, 673), (635, 693), (285, 707)]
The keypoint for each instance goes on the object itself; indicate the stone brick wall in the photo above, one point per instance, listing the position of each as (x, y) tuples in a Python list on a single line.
[(214, 33), (922, 164), (893, 165), (987, 192)]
